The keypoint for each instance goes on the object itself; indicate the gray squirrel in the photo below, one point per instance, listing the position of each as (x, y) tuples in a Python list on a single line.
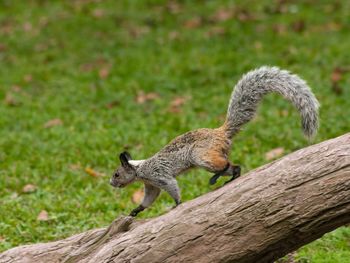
[(210, 148)]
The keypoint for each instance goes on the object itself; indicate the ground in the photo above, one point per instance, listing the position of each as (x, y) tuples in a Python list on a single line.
[(83, 80)]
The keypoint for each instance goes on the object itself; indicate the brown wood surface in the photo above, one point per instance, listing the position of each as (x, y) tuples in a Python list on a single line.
[(259, 217)]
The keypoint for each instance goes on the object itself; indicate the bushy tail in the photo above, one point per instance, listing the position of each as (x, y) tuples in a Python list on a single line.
[(255, 84)]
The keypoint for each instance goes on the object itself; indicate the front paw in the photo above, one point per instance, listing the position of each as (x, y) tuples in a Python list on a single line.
[(133, 213), (137, 210)]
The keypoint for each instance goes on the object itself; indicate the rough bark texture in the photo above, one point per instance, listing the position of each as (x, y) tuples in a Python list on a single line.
[(259, 217)]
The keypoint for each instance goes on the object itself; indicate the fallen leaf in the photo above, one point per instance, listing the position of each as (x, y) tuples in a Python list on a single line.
[(137, 31), (2, 47), (43, 216), (10, 100), (16, 88), (334, 26), (298, 26), (52, 123), (279, 8), (7, 26), (113, 104), (274, 153), (41, 47), (27, 26), (29, 188), (75, 167), (173, 35), (279, 29), (93, 173), (137, 196), (176, 103), (215, 31), (336, 76), (193, 22), (244, 15), (257, 45), (103, 72), (223, 15), (98, 13), (336, 88), (173, 7), (87, 67), (28, 78), (143, 97)]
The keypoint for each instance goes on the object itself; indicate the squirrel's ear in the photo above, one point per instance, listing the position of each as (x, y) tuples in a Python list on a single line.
[(124, 159)]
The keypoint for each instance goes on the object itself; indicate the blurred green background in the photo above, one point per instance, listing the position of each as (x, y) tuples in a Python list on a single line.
[(83, 80)]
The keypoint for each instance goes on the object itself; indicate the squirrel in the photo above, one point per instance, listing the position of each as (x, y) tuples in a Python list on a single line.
[(209, 148)]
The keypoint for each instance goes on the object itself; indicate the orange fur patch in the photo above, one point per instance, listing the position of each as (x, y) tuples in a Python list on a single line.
[(215, 159)]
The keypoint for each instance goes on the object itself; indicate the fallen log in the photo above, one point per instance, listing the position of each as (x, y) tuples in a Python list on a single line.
[(259, 217)]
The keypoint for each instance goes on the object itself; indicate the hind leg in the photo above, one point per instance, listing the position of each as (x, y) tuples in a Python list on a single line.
[(216, 162), (230, 170)]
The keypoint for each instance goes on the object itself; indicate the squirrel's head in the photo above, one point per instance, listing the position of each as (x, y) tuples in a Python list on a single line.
[(125, 173)]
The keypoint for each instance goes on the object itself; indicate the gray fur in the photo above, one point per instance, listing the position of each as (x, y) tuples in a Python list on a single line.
[(255, 84), (193, 148)]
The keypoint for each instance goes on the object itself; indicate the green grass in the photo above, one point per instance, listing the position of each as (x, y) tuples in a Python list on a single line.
[(51, 55)]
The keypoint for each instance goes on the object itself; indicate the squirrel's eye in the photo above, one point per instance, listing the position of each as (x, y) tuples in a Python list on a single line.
[(116, 175)]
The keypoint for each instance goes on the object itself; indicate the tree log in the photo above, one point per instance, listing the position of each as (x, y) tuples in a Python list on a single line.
[(258, 217)]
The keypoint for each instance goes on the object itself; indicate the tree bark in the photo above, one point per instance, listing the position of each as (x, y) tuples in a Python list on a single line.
[(259, 217)]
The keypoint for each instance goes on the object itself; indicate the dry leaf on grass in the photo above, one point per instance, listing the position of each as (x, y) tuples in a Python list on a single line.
[(10, 100), (173, 35), (280, 29), (113, 104), (43, 216), (103, 72), (193, 22), (28, 78), (27, 26), (298, 26), (29, 188), (2, 47), (53, 122), (244, 15), (177, 103), (336, 76), (173, 7), (16, 88), (223, 15), (75, 166), (215, 31), (137, 31), (93, 173), (98, 13), (274, 153), (143, 97), (137, 196)]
